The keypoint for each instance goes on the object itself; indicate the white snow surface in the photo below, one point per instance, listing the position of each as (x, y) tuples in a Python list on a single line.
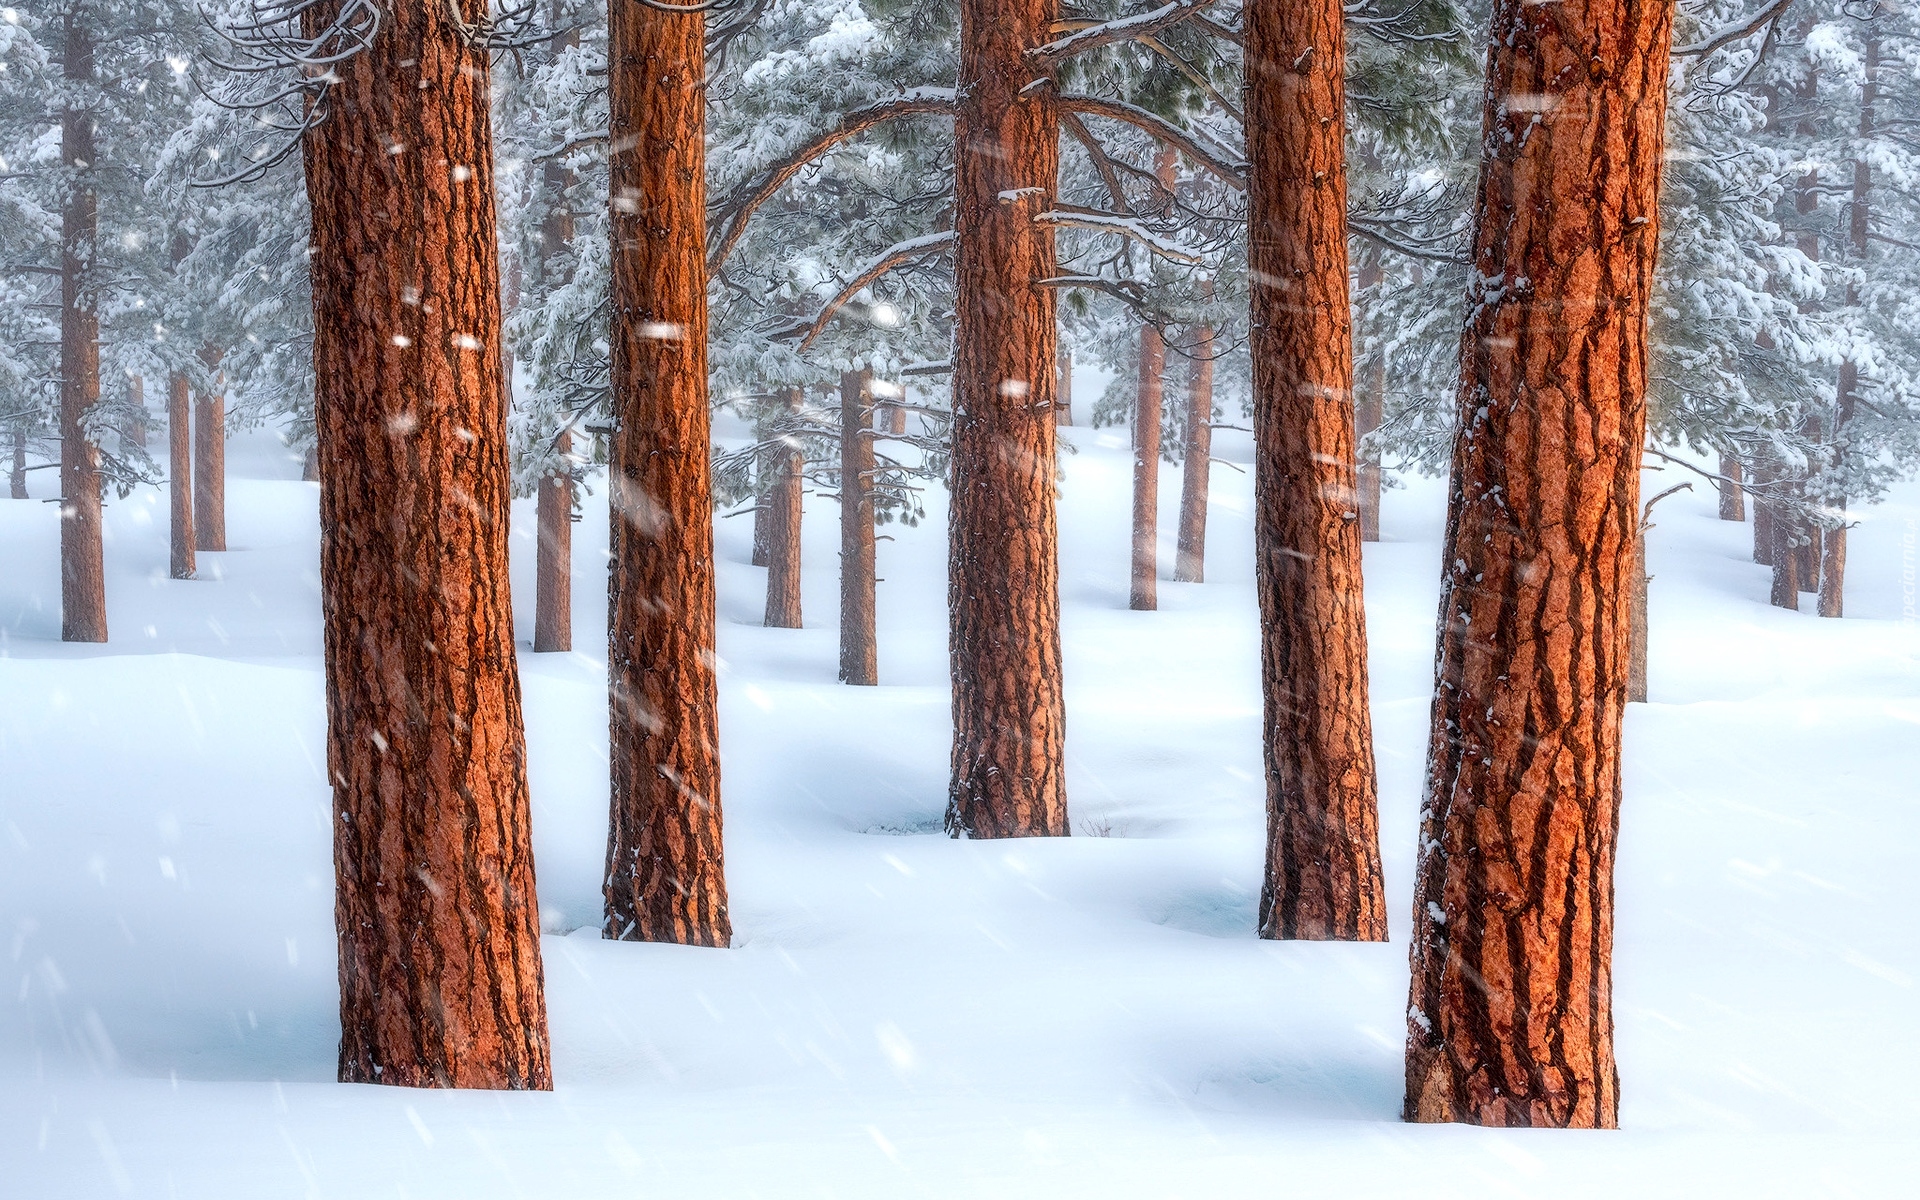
[(903, 1014)]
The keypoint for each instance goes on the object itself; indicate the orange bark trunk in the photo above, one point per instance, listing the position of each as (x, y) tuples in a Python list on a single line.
[(1003, 584), (83, 580), (666, 879), (1510, 1018), (440, 976), (1323, 876), (783, 532), (553, 556), (180, 475)]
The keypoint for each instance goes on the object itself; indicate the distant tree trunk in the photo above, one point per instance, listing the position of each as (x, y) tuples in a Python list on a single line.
[(137, 401), (859, 643), (1762, 476), (766, 467), (1833, 573), (553, 554), (83, 580), (1369, 409), (783, 530), (1190, 552), (310, 465), (1733, 498), (1637, 621), (1510, 1016), (1785, 556), (1323, 849), (210, 467), (17, 478), (666, 878), (1142, 586), (180, 475), (439, 925), (1003, 585), (1063, 385)]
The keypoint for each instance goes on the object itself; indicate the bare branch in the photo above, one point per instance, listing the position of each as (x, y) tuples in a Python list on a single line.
[(1769, 14), (912, 250), (1233, 174), (730, 216)]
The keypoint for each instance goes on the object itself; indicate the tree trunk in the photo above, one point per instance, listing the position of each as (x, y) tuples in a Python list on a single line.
[(1833, 573), (666, 879), (17, 478), (1785, 557), (553, 554), (210, 472), (137, 401), (783, 530), (310, 465), (859, 643), (1003, 585), (1142, 585), (1762, 476), (1190, 551), (1637, 621), (1323, 849), (440, 977), (180, 475), (1369, 409), (765, 472), (1063, 389), (1733, 498), (1510, 1017), (83, 581)]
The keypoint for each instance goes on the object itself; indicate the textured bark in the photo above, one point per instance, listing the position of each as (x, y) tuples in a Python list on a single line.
[(553, 555), (783, 531), (1369, 409), (666, 879), (1323, 850), (1003, 583), (210, 472), (440, 977), (1143, 578), (1785, 557), (1190, 552), (1733, 497), (17, 477), (1510, 1018), (859, 642), (1063, 389), (83, 582), (180, 476), (1762, 476)]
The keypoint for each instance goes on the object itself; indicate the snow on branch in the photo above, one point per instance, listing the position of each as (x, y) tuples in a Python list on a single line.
[(1768, 16), (1091, 35), (898, 255), (1105, 222), (729, 217), (1233, 174)]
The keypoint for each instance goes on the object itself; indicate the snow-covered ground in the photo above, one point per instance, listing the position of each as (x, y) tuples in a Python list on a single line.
[(902, 1014)]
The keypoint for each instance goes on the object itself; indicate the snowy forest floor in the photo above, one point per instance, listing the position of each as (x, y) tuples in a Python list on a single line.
[(902, 1014)]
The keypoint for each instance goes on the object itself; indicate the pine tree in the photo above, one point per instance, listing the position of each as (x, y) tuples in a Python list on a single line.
[(1510, 1017)]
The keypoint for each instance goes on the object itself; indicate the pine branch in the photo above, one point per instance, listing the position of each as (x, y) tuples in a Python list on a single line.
[(898, 255), (1091, 35), (1233, 174)]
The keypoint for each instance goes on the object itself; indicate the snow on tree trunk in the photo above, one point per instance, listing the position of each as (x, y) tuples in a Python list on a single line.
[(180, 475), (783, 530), (553, 555), (859, 649), (665, 879), (1323, 854), (1510, 1018), (1003, 585), (83, 585), (438, 921), (1190, 549), (1143, 578), (17, 477)]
